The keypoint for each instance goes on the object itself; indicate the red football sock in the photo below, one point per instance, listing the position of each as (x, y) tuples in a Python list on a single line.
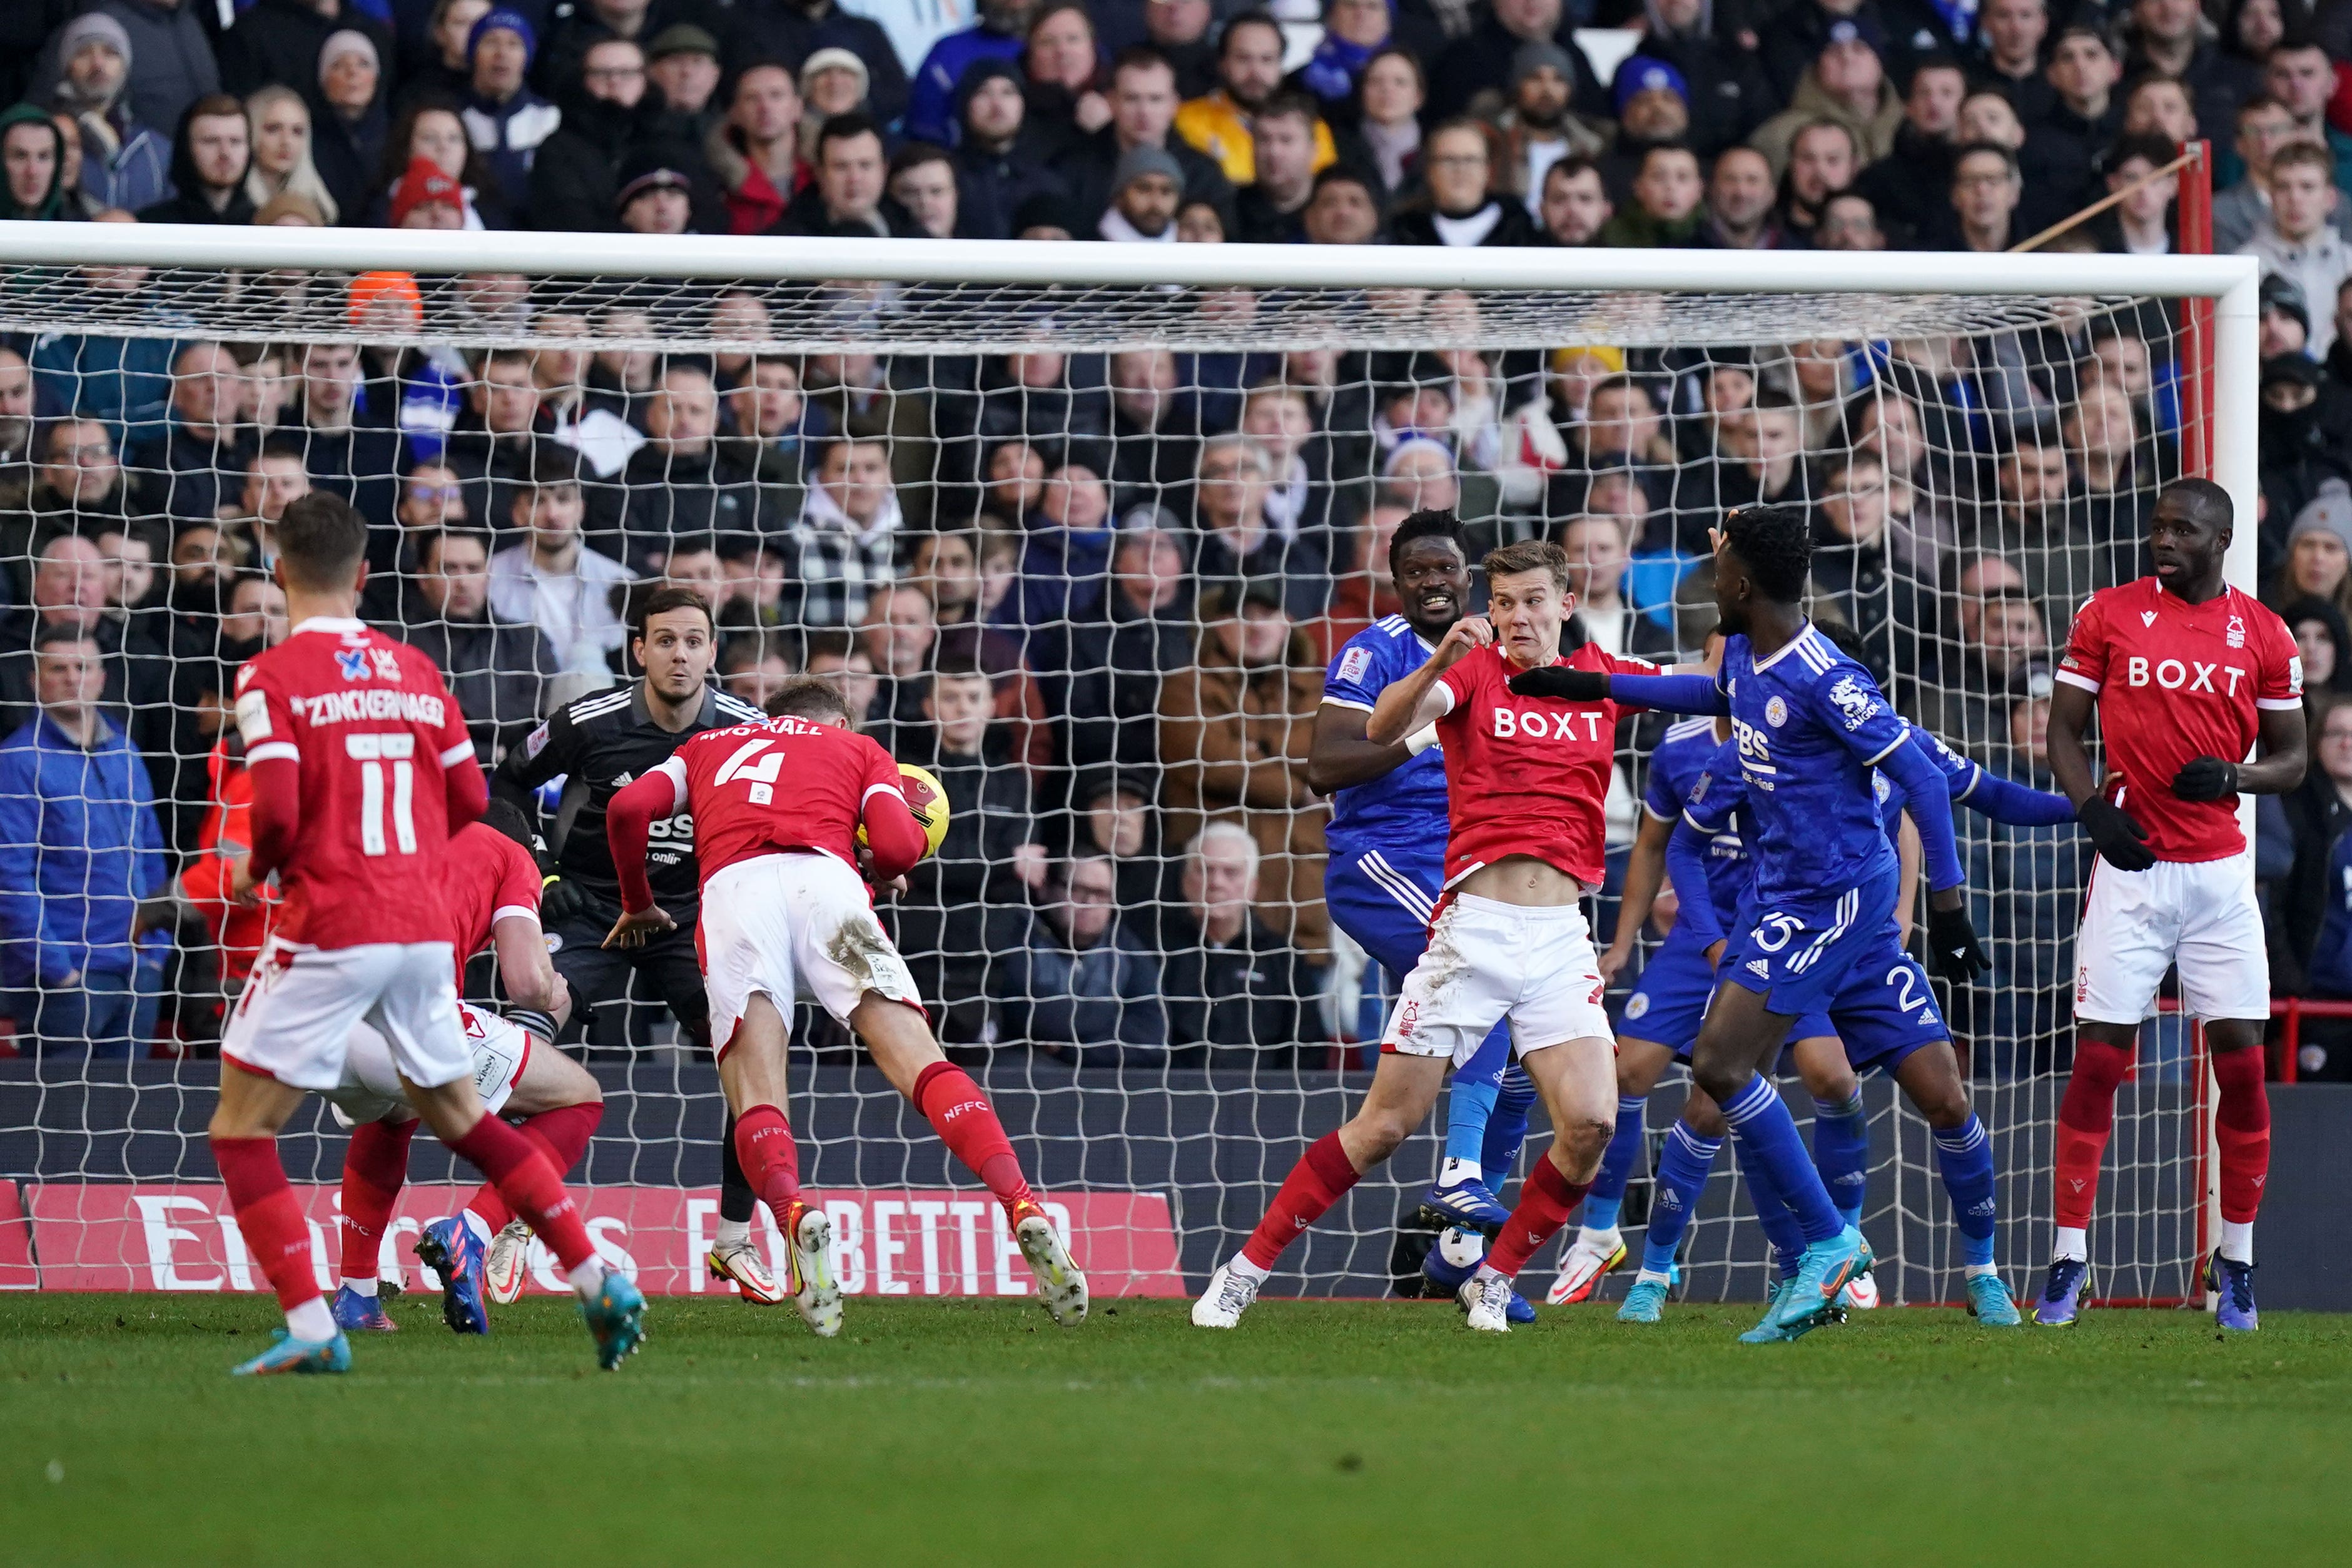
[(2086, 1116), (563, 1132), (1320, 1178), (266, 1213), (375, 1167), (2242, 1125), (771, 1160), (967, 1124), (531, 1186), (1546, 1200)]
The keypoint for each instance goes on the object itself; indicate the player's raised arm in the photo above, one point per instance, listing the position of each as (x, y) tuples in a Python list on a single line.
[(274, 767), (1415, 702), (628, 824), (894, 839), (1342, 753)]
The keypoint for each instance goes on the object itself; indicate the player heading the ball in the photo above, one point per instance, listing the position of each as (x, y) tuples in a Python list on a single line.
[(2187, 673), (1527, 780), (777, 810), (362, 768)]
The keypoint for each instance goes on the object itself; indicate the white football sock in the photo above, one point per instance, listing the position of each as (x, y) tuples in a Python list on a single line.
[(1974, 1270), (733, 1233), (477, 1224), (589, 1278), (2072, 1242), (2238, 1240), (312, 1321), (361, 1287), (1456, 1171), (1248, 1271), (1653, 1274), (1601, 1239)]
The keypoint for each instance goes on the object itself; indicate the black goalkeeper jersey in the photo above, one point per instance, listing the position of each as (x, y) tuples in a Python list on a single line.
[(599, 744)]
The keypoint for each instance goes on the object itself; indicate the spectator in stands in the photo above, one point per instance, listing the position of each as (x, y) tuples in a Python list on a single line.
[(2299, 74), (1575, 205), (655, 196), (964, 903), (436, 134), (769, 419), (552, 580), (847, 539), (1001, 34), (1238, 996), (15, 421), (832, 81), (1146, 190), (68, 594), (2310, 906), (1852, 574), (505, 121), (278, 123), (2032, 525), (1985, 191), (2113, 471), (2264, 127), (1249, 73), (681, 481), (2141, 223), (1539, 129), (848, 194), (2319, 562), (1237, 542), (280, 41), (348, 137), (210, 156), (1345, 208), (1846, 85), (1665, 210), (123, 380), (78, 814), (346, 458), (1388, 124), (575, 177), (493, 442), (1234, 732), (275, 478), (1270, 210), (1142, 101), (923, 181), (1184, 31), (125, 162), (2169, 37), (1740, 204), (1652, 105), (1353, 32), (1600, 549), (1063, 77), (682, 63), (166, 52), (999, 165), (78, 483), (1848, 221), (1823, 160), (2010, 36), (1462, 207), (1103, 676), (441, 72), (1083, 987), (1967, 696), (2297, 240), (756, 152), (432, 498), (497, 670), (753, 668), (2066, 142), (2325, 638), (1903, 186)]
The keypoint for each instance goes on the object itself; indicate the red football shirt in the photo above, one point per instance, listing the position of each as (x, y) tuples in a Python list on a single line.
[(370, 727), (1528, 775), (485, 877), (769, 789), (2177, 681)]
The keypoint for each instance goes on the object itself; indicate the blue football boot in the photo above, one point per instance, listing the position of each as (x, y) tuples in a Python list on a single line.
[(2062, 1293), (1646, 1303), (451, 1250), (301, 1357), (355, 1313), (2234, 1283), (1990, 1302), (615, 1316), (1468, 1203), (1768, 1329), (1821, 1274)]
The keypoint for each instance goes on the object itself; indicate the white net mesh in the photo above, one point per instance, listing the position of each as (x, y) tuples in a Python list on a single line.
[(1148, 517)]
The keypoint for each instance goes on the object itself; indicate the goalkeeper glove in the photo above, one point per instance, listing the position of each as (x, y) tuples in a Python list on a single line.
[(1558, 680), (2206, 778), (559, 899), (1952, 942), (2122, 842)]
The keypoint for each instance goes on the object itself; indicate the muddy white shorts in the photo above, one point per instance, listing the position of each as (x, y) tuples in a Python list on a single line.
[(788, 924), (371, 1090), (1489, 961), (2199, 914), (295, 1020)]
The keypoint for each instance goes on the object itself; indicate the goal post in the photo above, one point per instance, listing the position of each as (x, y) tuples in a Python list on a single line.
[(1164, 1136)]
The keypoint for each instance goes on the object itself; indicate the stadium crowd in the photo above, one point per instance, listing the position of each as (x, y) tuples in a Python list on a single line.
[(1095, 592)]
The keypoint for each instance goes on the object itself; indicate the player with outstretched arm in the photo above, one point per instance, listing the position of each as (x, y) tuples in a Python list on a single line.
[(362, 768), (1527, 780), (2187, 673), (778, 810), (1810, 726)]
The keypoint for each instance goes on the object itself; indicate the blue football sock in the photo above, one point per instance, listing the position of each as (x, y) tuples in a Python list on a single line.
[(1963, 1156), (1608, 1194), (1779, 1227), (1776, 1151), (1507, 1130), (1471, 1104), (1842, 1154), (1682, 1177)]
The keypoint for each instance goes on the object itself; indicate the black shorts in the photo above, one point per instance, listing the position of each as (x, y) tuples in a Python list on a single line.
[(667, 967)]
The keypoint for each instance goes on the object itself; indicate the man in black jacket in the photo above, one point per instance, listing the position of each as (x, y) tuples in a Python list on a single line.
[(1143, 100), (1238, 996), (575, 177), (998, 166), (793, 30), (498, 672), (209, 158), (1462, 209)]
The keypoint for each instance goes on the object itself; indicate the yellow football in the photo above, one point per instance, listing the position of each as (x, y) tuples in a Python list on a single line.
[(927, 800)]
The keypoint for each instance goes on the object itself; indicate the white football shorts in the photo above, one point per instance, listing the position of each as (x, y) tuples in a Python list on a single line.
[(784, 924), (370, 1090), (295, 1020), (2199, 914), (1489, 961)]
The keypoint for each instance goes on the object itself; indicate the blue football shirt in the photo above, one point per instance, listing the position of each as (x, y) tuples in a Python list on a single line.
[(1681, 760), (1403, 809)]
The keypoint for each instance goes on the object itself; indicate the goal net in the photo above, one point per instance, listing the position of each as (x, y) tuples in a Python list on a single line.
[(1077, 526)]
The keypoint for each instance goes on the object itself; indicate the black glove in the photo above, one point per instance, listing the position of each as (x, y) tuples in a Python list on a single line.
[(1952, 942), (1559, 681), (2206, 778), (2123, 843), (562, 899)]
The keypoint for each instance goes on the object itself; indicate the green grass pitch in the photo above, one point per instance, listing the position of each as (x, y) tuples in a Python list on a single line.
[(1341, 1433)]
